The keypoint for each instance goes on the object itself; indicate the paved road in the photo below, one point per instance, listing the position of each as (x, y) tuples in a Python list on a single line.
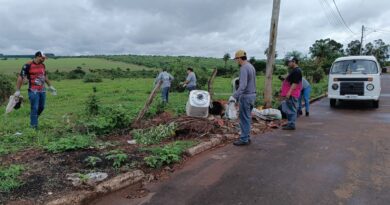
[(336, 156)]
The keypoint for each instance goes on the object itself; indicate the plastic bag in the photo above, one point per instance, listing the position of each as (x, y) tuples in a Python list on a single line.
[(13, 103), (231, 111), (271, 114)]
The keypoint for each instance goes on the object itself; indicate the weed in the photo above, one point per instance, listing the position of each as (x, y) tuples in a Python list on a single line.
[(92, 161), (70, 143), (118, 156), (9, 177), (167, 154), (154, 135)]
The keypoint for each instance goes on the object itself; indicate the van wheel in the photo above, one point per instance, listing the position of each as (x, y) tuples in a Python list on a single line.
[(375, 103), (333, 102)]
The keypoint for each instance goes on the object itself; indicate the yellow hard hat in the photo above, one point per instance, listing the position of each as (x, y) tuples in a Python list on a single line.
[(240, 53)]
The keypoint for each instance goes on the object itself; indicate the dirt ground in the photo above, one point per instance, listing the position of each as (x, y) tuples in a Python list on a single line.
[(45, 176)]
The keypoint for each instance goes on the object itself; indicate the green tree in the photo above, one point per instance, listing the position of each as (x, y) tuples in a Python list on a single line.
[(226, 57), (325, 51), (379, 49), (353, 48)]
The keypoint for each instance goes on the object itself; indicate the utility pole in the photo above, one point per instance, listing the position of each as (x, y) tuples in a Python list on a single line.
[(271, 54), (361, 41)]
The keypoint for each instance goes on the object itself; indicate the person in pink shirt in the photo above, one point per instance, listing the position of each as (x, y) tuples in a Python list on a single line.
[(290, 92)]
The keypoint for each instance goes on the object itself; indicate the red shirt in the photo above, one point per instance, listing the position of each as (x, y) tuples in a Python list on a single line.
[(35, 74)]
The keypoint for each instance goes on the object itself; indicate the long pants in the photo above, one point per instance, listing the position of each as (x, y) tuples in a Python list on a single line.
[(165, 94), (37, 102), (289, 106), (305, 95), (246, 105)]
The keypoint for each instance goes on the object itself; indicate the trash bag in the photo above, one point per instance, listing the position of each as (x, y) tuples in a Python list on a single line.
[(13, 103), (267, 114), (231, 111)]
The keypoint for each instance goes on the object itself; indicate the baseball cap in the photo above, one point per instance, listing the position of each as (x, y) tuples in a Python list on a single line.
[(240, 53), (292, 58), (40, 54)]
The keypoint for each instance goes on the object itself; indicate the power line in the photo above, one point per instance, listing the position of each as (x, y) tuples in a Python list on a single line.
[(335, 16), (338, 11)]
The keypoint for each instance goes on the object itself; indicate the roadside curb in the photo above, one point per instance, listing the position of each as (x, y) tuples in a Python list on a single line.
[(215, 140), (111, 185), (318, 98)]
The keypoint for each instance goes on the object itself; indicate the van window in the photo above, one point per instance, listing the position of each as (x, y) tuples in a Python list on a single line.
[(354, 67)]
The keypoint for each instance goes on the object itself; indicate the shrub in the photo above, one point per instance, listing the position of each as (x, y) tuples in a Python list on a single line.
[(92, 78), (118, 157), (92, 104), (154, 135), (167, 154), (9, 177), (108, 119), (6, 88), (77, 73), (70, 143)]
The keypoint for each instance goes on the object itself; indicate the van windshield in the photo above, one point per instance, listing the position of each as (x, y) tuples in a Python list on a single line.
[(354, 67)]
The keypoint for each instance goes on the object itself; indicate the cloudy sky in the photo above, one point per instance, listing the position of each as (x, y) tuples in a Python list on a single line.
[(182, 27)]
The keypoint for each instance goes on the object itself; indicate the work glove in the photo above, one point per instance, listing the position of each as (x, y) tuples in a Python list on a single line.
[(17, 93), (232, 99), (52, 90)]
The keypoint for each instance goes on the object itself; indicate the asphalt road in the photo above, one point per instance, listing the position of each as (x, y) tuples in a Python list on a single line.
[(336, 156)]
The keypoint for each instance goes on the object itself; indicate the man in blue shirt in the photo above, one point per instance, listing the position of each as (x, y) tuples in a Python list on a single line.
[(190, 82), (166, 79), (246, 95)]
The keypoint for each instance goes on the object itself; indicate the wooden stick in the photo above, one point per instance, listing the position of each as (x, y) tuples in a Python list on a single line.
[(210, 83), (148, 103)]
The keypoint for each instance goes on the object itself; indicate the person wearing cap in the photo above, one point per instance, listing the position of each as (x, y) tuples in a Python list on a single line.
[(305, 96), (166, 80), (246, 96), (290, 92), (190, 82), (35, 73)]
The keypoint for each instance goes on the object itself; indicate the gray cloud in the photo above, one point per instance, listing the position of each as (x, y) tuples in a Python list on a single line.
[(180, 27)]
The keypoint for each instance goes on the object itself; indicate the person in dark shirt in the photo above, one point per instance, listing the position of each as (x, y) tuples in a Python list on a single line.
[(35, 73), (291, 90)]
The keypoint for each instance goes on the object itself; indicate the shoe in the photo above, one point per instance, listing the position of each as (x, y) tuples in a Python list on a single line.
[(288, 128), (300, 112), (241, 143), (307, 114)]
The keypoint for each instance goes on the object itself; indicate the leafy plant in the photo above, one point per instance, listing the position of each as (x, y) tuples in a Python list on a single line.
[(70, 143), (167, 154), (92, 160), (154, 135), (92, 104), (118, 156), (9, 177), (6, 88)]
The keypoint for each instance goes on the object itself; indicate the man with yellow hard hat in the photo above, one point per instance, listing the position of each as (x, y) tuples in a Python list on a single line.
[(246, 96)]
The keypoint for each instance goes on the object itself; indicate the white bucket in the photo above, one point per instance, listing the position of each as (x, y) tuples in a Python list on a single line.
[(198, 104)]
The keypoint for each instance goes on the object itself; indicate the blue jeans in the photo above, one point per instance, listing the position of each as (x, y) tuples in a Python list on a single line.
[(246, 105), (305, 94), (289, 106), (164, 94), (37, 102)]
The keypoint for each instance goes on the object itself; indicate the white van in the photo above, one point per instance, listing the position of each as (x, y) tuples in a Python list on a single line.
[(355, 78)]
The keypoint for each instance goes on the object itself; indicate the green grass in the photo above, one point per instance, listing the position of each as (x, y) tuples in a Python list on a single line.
[(12, 65), (64, 110), (70, 143), (9, 177)]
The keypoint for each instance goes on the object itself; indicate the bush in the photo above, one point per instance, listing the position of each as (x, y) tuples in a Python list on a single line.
[(318, 75), (92, 104), (9, 177), (6, 88), (167, 154), (108, 120), (77, 73), (70, 143), (154, 135), (92, 78)]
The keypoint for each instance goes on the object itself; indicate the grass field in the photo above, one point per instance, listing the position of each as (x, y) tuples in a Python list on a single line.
[(13, 65), (131, 94)]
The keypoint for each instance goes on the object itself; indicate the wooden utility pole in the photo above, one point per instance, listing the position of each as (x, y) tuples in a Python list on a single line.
[(361, 41), (271, 54)]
